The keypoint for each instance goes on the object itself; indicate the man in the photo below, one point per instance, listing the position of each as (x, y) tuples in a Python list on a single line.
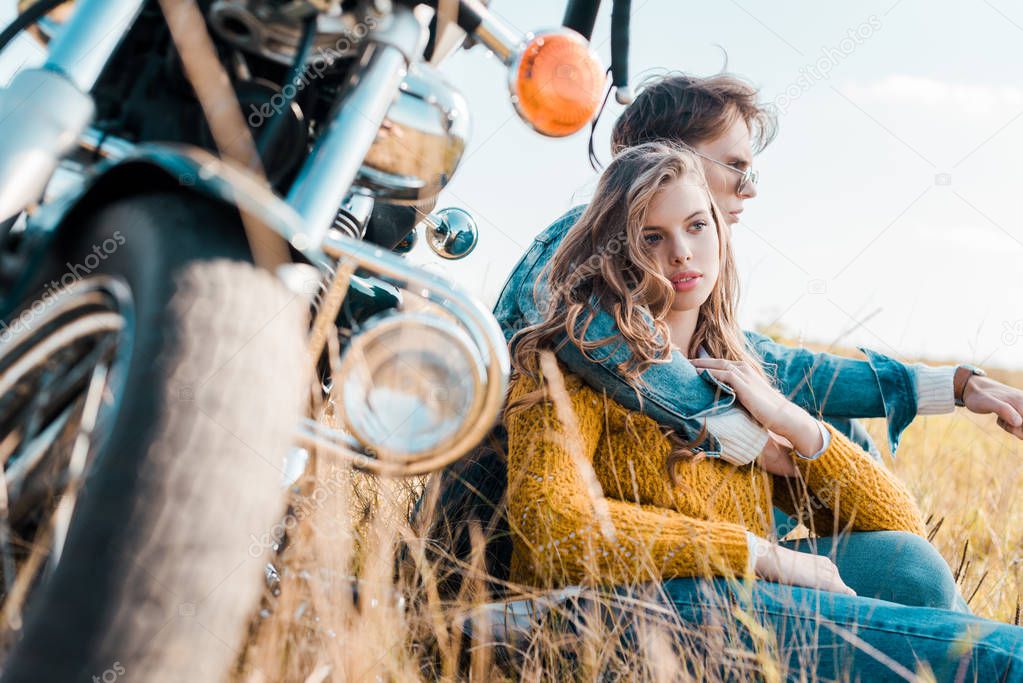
[(720, 120)]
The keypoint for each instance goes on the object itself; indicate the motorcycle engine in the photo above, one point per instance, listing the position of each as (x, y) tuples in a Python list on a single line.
[(273, 29)]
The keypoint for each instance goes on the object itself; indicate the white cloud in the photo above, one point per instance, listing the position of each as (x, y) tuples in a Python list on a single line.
[(977, 236), (942, 96)]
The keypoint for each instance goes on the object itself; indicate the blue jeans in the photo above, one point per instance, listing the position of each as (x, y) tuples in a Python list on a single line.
[(713, 626), (676, 395), (839, 636), (895, 566)]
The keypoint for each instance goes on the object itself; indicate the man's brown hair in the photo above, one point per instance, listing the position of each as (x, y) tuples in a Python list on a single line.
[(681, 108)]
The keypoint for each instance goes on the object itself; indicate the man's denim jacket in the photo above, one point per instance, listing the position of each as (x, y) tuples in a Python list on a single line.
[(676, 395)]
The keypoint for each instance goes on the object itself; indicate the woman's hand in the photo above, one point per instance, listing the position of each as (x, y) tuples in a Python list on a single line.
[(781, 565), (765, 403), (776, 458)]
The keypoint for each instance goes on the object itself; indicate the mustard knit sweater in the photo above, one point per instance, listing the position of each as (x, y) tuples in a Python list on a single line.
[(598, 506)]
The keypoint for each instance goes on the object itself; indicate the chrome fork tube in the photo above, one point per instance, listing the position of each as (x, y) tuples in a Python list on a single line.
[(328, 173), (83, 46), (44, 111)]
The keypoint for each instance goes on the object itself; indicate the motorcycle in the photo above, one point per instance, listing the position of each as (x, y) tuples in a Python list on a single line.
[(203, 211)]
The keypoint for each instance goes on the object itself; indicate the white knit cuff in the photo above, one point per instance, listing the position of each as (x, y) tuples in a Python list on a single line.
[(757, 547), (825, 437), (742, 439), (935, 393)]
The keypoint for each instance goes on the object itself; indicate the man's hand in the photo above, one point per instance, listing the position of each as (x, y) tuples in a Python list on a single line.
[(984, 395)]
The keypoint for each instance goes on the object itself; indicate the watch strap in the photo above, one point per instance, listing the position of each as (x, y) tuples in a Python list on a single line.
[(962, 376)]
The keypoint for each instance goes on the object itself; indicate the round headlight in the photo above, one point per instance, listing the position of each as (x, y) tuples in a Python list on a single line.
[(410, 384)]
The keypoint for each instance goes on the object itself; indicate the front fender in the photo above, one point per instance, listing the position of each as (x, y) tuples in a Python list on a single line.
[(143, 169), (190, 169)]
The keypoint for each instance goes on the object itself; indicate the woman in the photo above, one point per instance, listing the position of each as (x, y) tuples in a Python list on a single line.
[(602, 495)]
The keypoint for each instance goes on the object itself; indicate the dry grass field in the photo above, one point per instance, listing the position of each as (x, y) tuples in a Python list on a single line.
[(965, 472), (967, 475)]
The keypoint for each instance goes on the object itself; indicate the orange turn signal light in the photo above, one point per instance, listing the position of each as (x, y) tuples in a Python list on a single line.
[(557, 82)]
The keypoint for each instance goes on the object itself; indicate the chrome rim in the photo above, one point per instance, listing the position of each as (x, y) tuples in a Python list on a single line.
[(63, 366)]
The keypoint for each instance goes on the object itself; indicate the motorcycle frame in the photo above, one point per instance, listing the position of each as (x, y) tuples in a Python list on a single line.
[(78, 55)]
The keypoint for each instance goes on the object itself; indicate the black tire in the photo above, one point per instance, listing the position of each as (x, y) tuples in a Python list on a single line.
[(158, 577)]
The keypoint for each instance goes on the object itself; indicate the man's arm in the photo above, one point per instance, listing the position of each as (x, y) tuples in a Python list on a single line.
[(836, 386), (829, 385)]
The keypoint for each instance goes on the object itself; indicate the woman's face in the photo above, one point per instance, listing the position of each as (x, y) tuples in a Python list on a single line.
[(681, 238)]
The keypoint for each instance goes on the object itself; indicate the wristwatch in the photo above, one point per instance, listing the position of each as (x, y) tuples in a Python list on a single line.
[(962, 375)]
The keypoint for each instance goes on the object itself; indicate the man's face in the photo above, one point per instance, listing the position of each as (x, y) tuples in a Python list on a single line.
[(731, 148)]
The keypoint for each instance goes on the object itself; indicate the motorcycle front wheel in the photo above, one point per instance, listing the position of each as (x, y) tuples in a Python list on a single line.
[(148, 395)]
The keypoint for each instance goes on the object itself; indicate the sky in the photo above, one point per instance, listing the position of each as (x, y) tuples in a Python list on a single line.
[(888, 210)]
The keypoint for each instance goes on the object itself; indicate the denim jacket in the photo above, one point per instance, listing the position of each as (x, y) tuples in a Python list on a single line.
[(677, 395)]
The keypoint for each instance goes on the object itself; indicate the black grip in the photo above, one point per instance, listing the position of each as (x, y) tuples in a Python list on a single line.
[(27, 18), (620, 16), (468, 20), (581, 16)]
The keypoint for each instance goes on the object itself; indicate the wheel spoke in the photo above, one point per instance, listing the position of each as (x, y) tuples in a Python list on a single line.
[(7, 563), (59, 387), (97, 323), (15, 601), (56, 378), (79, 457), (34, 452)]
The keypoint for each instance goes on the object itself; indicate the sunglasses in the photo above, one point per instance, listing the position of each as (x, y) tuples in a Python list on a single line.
[(746, 177)]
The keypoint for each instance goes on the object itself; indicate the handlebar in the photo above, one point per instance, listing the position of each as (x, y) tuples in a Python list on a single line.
[(620, 19), (581, 16)]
